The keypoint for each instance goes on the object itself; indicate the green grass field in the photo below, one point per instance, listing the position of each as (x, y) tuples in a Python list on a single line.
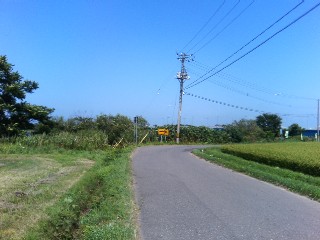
[(54, 193), (31, 183)]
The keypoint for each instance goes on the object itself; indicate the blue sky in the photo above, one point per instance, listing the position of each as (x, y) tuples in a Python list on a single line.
[(93, 57)]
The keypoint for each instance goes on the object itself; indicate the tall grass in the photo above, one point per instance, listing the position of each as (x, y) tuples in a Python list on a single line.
[(82, 140)]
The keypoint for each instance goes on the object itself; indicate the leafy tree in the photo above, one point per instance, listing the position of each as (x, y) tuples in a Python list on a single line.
[(16, 114), (142, 122), (59, 124), (270, 124), (104, 122), (83, 123), (244, 131), (295, 129), (116, 127)]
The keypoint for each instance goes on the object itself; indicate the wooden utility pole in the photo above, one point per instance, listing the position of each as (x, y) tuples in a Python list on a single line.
[(318, 122), (181, 76), (135, 121)]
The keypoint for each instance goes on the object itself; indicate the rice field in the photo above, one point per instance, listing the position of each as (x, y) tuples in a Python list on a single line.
[(298, 156)]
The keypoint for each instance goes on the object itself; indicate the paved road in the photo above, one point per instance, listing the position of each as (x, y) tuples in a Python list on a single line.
[(183, 197)]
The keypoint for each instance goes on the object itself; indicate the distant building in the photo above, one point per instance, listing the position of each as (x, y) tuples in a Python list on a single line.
[(309, 133), (218, 127)]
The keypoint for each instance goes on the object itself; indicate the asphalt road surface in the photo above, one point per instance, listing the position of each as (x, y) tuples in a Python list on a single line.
[(183, 197)]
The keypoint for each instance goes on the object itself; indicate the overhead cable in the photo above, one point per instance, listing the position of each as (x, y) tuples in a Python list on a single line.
[(291, 10), (196, 82), (225, 27), (212, 16), (244, 108), (247, 94), (214, 27), (248, 84)]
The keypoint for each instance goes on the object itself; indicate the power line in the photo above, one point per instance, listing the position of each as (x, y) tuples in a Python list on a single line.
[(212, 16), (249, 85), (258, 34), (247, 94), (165, 82), (155, 94), (232, 21), (223, 103), (251, 40), (196, 82), (214, 27), (244, 108), (291, 10)]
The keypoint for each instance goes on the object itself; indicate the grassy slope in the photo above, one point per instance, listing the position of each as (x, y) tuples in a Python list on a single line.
[(295, 181)]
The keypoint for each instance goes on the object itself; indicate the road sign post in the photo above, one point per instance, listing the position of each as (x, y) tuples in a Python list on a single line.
[(163, 132)]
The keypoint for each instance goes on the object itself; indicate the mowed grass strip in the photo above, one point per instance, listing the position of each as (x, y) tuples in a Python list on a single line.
[(298, 182), (297, 156), (111, 214), (29, 184), (99, 206)]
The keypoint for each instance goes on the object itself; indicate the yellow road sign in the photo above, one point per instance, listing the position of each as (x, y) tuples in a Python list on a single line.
[(163, 131)]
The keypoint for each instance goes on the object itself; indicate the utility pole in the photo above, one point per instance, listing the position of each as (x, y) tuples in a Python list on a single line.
[(181, 76), (135, 120), (318, 123)]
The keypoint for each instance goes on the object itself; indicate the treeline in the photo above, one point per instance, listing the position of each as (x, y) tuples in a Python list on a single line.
[(103, 131), (81, 133), (106, 130), (112, 127), (33, 125)]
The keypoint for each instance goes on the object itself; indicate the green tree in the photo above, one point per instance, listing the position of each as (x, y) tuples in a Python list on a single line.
[(244, 131), (58, 124), (16, 114), (295, 129), (270, 124), (116, 127), (142, 122), (84, 123)]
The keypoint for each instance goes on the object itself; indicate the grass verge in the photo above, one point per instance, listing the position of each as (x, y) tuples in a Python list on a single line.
[(99, 206), (303, 184)]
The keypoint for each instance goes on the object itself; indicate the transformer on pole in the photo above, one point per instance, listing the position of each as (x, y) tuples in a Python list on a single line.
[(181, 76)]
